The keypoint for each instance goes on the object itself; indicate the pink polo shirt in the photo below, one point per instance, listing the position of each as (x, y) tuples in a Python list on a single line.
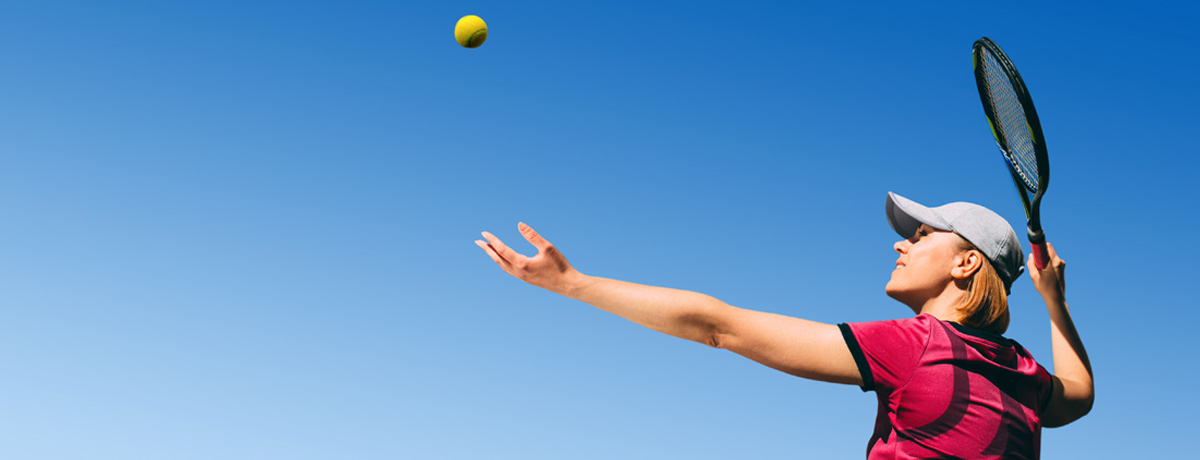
[(948, 391)]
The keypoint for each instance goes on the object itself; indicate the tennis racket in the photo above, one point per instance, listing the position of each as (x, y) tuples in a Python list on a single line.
[(1015, 127)]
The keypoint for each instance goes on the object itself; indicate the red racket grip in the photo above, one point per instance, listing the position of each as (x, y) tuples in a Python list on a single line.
[(1041, 256)]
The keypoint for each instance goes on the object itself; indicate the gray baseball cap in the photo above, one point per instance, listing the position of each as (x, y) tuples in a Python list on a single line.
[(989, 232)]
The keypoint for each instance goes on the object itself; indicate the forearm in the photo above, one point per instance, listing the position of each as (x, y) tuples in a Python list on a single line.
[(1070, 357), (684, 314)]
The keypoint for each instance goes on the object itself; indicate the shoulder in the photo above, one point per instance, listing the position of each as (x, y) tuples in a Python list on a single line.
[(886, 352), (915, 329)]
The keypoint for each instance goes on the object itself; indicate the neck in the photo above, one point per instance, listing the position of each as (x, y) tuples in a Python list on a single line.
[(944, 306)]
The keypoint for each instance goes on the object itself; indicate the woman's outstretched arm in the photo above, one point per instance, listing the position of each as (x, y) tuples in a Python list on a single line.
[(799, 347), (1074, 391)]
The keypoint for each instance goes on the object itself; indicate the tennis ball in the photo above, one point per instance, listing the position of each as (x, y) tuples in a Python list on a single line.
[(470, 31)]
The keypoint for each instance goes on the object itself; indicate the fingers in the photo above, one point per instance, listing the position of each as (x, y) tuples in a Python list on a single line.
[(534, 238), (1055, 261), (491, 252), (503, 250), (1050, 280), (1060, 266), (1053, 254)]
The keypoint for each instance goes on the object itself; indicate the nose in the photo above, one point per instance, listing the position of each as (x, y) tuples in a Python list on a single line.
[(901, 246)]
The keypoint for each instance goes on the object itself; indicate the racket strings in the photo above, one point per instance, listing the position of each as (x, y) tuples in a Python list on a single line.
[(1010, 116)]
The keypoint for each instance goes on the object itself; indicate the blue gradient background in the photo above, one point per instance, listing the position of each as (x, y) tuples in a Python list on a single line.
[(243, 230)]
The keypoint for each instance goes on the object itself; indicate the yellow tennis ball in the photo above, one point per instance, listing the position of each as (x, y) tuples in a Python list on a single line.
[(470, 31)]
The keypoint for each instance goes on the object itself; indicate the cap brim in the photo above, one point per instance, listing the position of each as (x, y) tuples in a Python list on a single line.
[(906, 216)]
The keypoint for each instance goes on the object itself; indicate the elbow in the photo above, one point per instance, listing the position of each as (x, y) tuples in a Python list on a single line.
[(1082, 407), (706, 331), (1085, 406), (714, 339), (718, 334), (1075, 402), (706, 327)]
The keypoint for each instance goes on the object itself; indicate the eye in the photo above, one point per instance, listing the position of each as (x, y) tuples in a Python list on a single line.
[(921, 233)]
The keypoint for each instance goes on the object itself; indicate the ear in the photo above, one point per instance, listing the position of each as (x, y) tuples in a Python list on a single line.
[(966, 264)]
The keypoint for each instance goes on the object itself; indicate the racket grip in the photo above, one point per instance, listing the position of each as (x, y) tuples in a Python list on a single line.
[(1041, 256), (1037, 243)]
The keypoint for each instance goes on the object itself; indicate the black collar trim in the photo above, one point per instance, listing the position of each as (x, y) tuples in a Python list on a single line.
[(985, 335)]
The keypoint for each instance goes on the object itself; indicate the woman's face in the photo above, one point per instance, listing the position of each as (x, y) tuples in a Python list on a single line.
[(924, 267)]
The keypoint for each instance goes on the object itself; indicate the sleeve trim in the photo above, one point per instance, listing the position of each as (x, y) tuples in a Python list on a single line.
[(864, 369)]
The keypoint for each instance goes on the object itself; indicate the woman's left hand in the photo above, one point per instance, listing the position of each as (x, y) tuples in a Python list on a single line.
[(548, 269)]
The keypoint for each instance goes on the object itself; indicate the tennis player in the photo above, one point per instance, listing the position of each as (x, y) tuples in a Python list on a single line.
[(949, 384)]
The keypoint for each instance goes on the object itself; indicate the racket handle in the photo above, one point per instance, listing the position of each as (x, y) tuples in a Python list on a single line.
[(1037, 242), (1040, 255)]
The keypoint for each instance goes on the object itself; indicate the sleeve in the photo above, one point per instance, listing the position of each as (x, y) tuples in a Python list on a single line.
[(887, 352), (1046, 387)]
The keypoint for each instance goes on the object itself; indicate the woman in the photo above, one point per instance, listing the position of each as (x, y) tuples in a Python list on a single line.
[(949, 385)]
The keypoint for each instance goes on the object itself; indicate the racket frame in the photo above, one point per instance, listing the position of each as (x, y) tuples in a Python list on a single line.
[(1037, 238)]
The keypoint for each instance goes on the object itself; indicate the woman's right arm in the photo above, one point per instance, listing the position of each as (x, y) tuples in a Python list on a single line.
[(796, 346), (1074, 391)]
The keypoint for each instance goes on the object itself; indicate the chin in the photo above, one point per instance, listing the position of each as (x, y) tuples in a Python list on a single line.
[(894, 294), (899, 295), (892, 290)]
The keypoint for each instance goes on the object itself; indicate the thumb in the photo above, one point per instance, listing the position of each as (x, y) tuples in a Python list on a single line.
[(534, 238)]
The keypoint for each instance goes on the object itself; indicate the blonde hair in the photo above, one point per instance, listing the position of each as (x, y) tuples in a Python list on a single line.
[(986, 306)]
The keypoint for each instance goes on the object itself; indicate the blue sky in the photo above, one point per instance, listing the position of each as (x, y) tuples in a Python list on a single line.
[(244, 229)]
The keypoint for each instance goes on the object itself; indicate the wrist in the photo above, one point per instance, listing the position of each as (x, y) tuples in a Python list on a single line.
[(1055, 301), (573, 282)]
